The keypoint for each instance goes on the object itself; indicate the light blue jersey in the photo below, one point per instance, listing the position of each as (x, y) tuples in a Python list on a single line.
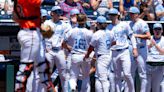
[(101, 41), (59, 29), (81, 38), (140, 27), (121, 32), (160, 43)]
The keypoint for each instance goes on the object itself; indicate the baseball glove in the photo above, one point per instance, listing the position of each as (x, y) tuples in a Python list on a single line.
[(46, 31)]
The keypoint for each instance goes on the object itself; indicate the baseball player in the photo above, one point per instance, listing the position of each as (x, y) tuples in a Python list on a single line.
[(44, 15), (101, 42), (54, 51), (80, 36), (34, 77), (120, 51), (141, 33), (72, 24), (28, 16), (156, 47)]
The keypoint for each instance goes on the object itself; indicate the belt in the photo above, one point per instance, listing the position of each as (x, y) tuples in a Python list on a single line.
[(121, 49), (142, 47), (33, 28), (99, 55), (56, 48)]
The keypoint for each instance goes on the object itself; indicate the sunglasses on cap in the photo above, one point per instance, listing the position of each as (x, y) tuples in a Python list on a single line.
[(158, 28), (59, 12)]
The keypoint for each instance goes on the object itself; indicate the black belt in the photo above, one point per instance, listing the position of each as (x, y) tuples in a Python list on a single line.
[(142, 47), (56, 48), (99, 55), (33, 28), (121, 49)]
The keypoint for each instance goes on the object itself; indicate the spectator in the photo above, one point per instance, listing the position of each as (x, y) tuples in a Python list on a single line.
[(124, 6), (147, 11), (84, 3), (68, 5), (156, 48), (114, 4), (159, 11), (6, 6), (101, 6)]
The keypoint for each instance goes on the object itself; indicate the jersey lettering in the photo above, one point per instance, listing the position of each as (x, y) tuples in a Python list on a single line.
[(80, 44)]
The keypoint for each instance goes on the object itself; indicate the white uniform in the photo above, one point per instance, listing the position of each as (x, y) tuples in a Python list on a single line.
[(101, 41), (30, 52), (34, 78), (155, 73), (70, 43), (121, 55), (55, 54), (80, 38), (140, 27)]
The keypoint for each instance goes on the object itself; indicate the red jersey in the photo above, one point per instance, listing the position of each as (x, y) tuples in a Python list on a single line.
[(28, 8)]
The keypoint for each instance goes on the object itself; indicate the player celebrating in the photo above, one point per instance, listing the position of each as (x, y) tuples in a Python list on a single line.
[(120, 51), (101, 42), (141, 33), (156, 47), (54, 51), (80, 36)]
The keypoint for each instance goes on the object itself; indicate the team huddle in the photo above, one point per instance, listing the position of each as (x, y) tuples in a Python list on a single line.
[(113, 51)]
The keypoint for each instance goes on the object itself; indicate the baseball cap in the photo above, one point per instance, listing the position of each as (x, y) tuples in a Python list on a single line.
[(57, 10), (113, 11), (157, 25), (54, 8), (74, 11), (44, 12), (101, 19), (134, 10)]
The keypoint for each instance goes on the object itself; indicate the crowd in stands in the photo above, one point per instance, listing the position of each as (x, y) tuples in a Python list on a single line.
[(151, 10)]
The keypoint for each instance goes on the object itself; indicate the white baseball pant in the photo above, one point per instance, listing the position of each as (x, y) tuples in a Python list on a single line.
[(121, 60), (30, 47), (111, 77), (58, 58), (140, 64), (154, 78), (77, 65), (34, 78), (102, 66)]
